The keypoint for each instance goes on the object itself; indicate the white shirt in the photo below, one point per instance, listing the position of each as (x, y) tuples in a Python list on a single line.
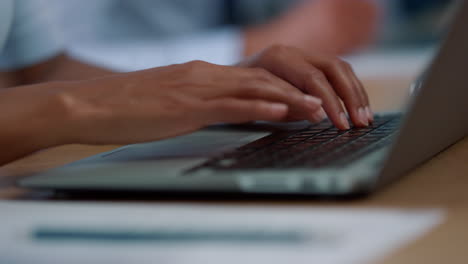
[(28, 33), (127, 35)]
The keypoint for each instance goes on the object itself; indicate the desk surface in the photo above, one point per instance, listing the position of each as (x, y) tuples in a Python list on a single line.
[(440, 183)]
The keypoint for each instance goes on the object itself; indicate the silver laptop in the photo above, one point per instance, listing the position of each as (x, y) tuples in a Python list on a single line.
[(295, 158)]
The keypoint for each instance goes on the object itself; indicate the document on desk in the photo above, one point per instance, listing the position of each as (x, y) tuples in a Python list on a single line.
[(59, 232)]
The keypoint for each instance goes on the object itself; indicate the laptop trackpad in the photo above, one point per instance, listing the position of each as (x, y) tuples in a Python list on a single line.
[(200, 144)]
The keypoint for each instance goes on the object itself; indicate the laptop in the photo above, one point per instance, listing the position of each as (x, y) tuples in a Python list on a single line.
[(293, 158)]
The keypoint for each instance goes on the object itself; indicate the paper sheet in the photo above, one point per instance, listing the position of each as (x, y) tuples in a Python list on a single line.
[(180, 233)]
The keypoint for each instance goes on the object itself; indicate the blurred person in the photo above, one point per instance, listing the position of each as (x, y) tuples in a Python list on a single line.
[(332, 26), (42, 105), (131, 35)]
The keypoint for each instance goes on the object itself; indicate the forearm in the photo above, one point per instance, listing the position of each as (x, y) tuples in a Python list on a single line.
[(31, 118)]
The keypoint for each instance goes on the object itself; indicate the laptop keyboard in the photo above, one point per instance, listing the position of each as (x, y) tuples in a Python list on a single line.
[(320, 145)]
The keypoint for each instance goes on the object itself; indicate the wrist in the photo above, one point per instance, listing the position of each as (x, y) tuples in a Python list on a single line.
[(63, 115), (51, 114), (33, 119)]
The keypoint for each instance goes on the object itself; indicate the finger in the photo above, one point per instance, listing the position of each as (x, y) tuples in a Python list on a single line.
[(369, 113), (290, 65), (339, 75), (233, 110), (312, 81), (253, 83), (316, 117), (316, 83), (263, 85)]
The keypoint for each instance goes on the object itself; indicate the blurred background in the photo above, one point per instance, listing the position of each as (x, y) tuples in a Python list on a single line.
[(130, 35), (414, 23)]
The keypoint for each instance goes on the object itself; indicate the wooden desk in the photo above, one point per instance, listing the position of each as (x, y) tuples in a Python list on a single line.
[(440, 183)]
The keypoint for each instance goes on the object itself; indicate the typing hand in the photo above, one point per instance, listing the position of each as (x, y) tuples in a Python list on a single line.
[(328, 78), (168, 101), (278, 84)]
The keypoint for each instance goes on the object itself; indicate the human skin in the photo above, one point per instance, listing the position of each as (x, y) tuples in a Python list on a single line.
[(328, 26), (281, 83)]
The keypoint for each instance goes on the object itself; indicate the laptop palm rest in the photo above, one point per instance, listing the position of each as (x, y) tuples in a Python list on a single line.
[(141, 166)]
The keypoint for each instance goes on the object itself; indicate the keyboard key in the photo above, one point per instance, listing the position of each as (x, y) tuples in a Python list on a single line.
[(320, 145)]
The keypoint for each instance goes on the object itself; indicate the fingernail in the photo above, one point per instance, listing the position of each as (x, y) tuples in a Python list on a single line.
[(319, 115), (370, 115), (363, 116), (312, 100), (344, 121), (276, 107)]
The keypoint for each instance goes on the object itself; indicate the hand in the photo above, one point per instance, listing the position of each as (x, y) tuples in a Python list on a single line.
[(168, 101), (325, 26), (277, 84), (328, 78)]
